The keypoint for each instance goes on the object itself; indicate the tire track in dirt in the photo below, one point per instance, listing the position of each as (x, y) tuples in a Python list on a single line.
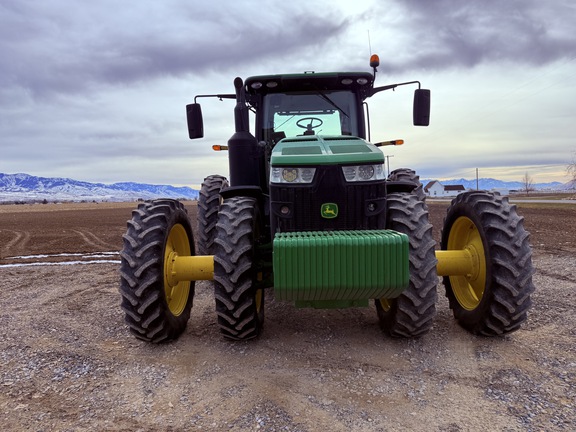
[(93, 240), (17, 244)]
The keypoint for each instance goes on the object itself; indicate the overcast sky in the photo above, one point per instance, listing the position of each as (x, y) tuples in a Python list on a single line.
[(96, 91)]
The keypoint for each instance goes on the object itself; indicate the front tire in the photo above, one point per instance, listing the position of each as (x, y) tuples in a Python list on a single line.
[(239, 302), (496, 300), (412, 313), (156, 310)]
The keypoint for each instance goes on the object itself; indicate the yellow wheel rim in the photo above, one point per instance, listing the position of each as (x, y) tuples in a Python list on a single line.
[(176, 294), (468, 289), (386, 305)]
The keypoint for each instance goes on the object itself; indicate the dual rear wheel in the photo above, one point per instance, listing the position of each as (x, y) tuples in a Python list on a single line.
[(493, 298), (157, 308)]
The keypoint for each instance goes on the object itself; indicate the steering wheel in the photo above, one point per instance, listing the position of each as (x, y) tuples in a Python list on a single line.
[(310, 125)]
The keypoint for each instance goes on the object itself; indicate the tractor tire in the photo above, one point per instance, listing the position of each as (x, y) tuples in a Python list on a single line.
[(155, 310), (208, 206), (496, 300), (406, 174), (412, 313), (239, 303)]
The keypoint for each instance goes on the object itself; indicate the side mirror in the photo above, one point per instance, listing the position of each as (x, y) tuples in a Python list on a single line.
[(195, 122), (421, 111)]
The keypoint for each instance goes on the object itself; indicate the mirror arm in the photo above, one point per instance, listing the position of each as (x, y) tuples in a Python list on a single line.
[(392, 86), (219, 96)]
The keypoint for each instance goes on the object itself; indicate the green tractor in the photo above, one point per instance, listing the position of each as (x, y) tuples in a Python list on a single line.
[(309, 212)]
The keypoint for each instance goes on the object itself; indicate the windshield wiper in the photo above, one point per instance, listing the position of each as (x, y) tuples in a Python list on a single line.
[(331, 102)]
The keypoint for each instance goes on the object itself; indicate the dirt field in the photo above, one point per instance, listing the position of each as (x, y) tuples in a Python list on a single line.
[(68, 362)]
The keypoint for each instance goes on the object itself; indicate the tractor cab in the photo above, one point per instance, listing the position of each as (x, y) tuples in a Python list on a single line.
[(328, 104)]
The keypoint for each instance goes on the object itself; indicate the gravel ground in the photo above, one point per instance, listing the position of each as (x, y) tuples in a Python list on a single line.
[(67, 361)]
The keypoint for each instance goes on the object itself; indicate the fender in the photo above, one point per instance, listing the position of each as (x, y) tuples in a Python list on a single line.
[(246, 190), (400, 186)]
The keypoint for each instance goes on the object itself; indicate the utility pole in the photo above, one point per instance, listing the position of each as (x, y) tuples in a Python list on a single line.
[(388, 162), (477, 188)]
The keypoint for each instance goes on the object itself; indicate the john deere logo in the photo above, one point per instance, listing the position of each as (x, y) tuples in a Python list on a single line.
[(329, 210)]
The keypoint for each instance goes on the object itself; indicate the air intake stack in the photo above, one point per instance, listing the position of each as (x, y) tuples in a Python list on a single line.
[(244, 153)]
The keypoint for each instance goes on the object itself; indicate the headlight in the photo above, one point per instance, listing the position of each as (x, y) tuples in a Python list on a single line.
[(356, 173), (292, 175)]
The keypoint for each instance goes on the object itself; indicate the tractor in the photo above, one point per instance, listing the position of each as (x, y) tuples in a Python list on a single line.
[(308, 211)]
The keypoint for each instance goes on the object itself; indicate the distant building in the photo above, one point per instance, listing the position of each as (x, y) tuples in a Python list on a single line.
[(438, 190)]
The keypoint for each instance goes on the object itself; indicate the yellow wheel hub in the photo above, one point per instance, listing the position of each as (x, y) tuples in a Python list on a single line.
[(176, 292), (468, 289), (386, 305)]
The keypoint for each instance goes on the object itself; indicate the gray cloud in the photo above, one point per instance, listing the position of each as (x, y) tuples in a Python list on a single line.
[(108, 43), (445, 34)]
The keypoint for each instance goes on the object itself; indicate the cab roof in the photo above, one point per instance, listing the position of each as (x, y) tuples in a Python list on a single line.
[(360, 82)]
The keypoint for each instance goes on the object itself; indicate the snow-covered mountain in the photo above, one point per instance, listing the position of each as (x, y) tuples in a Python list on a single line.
[(24, 187), (490, 183)]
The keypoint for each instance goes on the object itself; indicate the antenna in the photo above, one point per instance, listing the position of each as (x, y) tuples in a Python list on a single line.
[(369, 43)]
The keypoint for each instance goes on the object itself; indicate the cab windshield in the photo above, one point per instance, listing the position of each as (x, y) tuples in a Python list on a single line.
[(311, 113)]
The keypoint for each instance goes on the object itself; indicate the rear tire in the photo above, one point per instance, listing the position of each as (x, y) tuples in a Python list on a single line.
[(411, 314), (406, 174), (497, 299), (239, 303), (155, 310), (208, 205)]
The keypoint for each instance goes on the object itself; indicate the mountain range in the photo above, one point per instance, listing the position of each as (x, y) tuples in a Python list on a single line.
[(25, 187), (28, 188), (490, 183)]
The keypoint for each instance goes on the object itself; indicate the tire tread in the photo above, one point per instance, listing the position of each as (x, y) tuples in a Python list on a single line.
[(234, 272)]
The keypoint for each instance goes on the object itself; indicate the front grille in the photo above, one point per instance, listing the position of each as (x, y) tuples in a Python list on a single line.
[(360, 205)]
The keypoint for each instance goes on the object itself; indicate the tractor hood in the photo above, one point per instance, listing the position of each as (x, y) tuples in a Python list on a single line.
[(325, 150)]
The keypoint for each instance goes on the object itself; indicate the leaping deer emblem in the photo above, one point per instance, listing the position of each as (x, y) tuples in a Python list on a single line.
[(329, 210)]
